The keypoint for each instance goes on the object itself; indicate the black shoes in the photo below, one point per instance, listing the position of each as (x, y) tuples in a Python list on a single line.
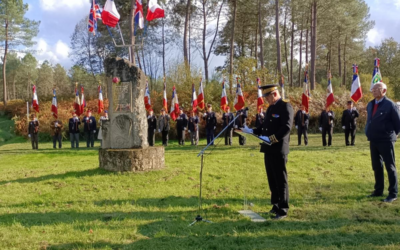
[(389, 199), (374, 195), (279, 217)]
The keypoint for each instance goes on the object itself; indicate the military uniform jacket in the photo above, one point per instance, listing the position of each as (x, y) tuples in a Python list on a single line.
[(326, 121), (277, 125), (349, 118), (56, 130), (73, 125), (259, 120), (152, 122), (298, 119), (193, 124), (385, 124), (181, 122), (163, 122), (227, 118), (211, 120), (33, 127), (241, 120), (89, 123)]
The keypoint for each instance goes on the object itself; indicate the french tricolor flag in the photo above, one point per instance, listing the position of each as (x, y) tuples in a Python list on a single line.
[(155, 11), (110, 14), (165, 103), (174, 105), (194, 99), (77, 103), (239, 99), (329, 97), (35, 101), (260, 100), (147, 101), (224, 98), (200, 97), (83, 101), (54, 109), (356, 91), (100, 103), (305, 97), (139, 18)]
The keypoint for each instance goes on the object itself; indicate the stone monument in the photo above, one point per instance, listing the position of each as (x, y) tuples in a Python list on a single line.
[(125, 146)]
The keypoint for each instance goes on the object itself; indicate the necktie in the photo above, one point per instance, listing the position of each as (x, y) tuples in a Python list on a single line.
[(375, 108)]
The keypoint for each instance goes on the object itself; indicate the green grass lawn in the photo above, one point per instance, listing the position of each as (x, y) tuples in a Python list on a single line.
[(60, 199)]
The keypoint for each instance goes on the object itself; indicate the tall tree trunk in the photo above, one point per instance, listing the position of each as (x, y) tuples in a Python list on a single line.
[(138, 59), (14, 92), (344, 62), (232, 49), (313, 46), (278, 43), (185, 33), (300, 51), (291, 50), (144, 63), (256, 47), (285, 44), (205, 59), (163, 46), (132, 30), (339, 60), (261, 36), (4, 65), (307, 37)]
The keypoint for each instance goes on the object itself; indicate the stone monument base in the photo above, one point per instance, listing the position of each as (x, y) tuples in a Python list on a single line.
[(133, 160)]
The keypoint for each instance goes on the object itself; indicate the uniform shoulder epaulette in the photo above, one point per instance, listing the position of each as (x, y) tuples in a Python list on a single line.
[(284, 100)]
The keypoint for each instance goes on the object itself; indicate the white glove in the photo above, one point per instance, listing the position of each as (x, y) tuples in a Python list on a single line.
[(262, 114), (303, 112), (215, 127), (189, 131), (329, 114), (320, 129), (205, 114), (184, 129), (247, 130), (29, 135), (236, 126), (354, 108), (154, 130), (159, 131), (94, 131), (343, 127), (297, 127), (265, 138)]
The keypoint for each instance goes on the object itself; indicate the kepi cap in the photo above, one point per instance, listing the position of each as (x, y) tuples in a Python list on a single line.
[(269, 88)]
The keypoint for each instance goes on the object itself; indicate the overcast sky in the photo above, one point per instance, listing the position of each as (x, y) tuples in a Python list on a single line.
[(58, 19)]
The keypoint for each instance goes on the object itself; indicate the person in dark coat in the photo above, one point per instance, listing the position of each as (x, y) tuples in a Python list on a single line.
[(181, 126), (349, 121), (89, 127), (33, 130), (163, 126), (151, 127), (276, 128), (56, 127), (227, 117), (301, 121), (260, 118), (240, 122), (326, 125), (211, 123), (382, 130), (193, 127), (73, 130)]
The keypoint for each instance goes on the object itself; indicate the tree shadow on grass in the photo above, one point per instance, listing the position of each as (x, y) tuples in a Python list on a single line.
[(71, 174)]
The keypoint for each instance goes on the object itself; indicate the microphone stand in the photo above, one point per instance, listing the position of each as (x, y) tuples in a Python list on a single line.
[(198, 217)]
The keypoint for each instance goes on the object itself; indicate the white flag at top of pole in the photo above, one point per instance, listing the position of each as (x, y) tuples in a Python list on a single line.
[(376, 75)]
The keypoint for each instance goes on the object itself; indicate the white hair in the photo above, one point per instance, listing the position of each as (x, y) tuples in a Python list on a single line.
[(383, 85)]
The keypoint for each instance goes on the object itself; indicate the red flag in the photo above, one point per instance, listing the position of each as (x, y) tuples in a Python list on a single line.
[(260, 100), (35, 101), (200, 97), (83, 101), (194, 99), (54, 109), (110, 14), (239, 99), (224, 98), (100, 104), (147, 101), (329, 97), (174, 105), (305, 97), (356, 91), (165, 103), (77, 103), (154, 11)]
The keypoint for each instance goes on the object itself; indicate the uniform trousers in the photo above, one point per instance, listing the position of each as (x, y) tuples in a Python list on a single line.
[(74, 138), (164, 135), (35, 141), (228, 136), (329, 131), (242, 140), (181, 136), (302, 130), (151, 136), (57, 138), (90, 138), (383, 152), (275, 166), (194, 137), (351, 132)]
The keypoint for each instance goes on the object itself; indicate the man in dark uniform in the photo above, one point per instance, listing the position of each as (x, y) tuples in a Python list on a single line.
[(181, 126), (193, 127), (33, 130), (382, 130), (326, 125), (163, 126), (211, 123), (240, 122), (89, 128), (74, 123), (227, 118), (349, 118), (151, 127), (301, 121), (260, 118), (56, 127), (276, 129)]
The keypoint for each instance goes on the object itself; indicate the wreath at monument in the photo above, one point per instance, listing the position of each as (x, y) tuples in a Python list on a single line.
[(116, 80)]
